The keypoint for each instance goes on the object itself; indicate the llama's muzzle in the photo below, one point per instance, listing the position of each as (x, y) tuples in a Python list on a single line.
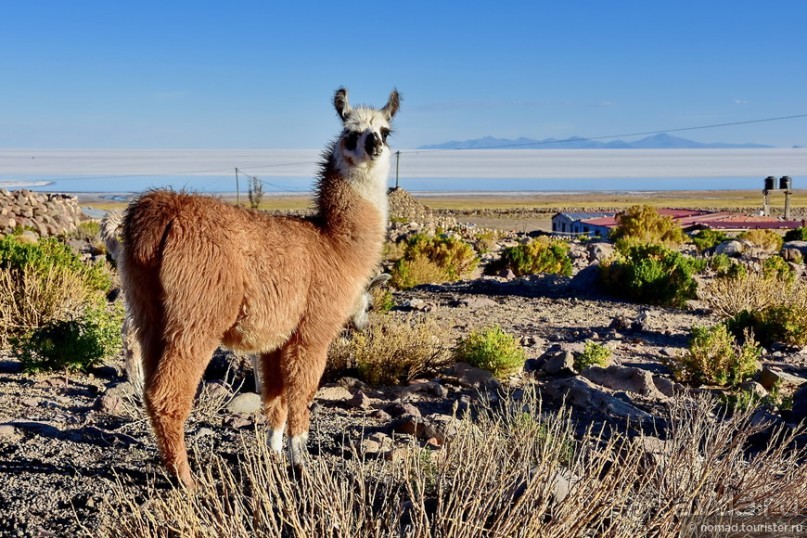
[(373, 145)]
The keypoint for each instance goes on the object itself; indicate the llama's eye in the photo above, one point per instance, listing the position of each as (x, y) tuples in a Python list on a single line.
[(352, 140), (384, 134)]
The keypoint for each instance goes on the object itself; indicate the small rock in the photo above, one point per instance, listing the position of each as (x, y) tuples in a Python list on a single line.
[(237, 422), (799, 410), (109, 403), (478, 302), (559, 362), (398, 409), (532, 365), (627, 378), (732, 248), (205, 432), (381, 415), (440, 427), (562, 484), (507, 274), (754, 388), (410, 425), (470, 376), (667, 386), (359, 400), (587, 279), (9, 434), (245, 403), (770, 377)]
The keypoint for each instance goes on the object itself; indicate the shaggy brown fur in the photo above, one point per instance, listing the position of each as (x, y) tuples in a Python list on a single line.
[(199, 272)]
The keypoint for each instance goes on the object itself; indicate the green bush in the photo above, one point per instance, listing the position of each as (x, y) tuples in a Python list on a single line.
[(75, 344), (777, 267), (723, 265), (798, 234), (491, 349), (786, 324), (652, 274), (44, 283), (48, 253), (89, 230), (708, 238), (391, 350), (429, 258), (644, 224), (715, 358), (540, 255), (485, 241), (593, 354)]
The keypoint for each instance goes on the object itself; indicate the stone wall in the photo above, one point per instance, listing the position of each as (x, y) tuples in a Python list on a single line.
[(44, 213)]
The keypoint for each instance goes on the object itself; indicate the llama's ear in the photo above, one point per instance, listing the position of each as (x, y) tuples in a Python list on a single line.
[(341, 104), (392, 105)]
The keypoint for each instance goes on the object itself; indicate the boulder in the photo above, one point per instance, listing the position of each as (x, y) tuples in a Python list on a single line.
[(771, 376), (627, 378), (245, 403), (582, 393), (600, 251), (732, 248), (799, 246), (799, 410)]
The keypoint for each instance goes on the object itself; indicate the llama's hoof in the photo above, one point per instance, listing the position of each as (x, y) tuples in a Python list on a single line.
[(298, 450), (187, 481), (276, 440)]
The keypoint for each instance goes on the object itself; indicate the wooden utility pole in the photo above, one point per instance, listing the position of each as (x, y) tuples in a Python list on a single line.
[(397, 166), (237, 189)]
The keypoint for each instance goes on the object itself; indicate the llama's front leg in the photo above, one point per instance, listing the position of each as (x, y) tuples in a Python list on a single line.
[(302, 367), (274, 399)]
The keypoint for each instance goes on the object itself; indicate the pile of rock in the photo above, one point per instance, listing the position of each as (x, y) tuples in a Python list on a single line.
[(44, 213), (407, 214)]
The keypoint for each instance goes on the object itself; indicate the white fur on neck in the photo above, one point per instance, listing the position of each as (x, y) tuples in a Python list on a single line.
[(368, 179)]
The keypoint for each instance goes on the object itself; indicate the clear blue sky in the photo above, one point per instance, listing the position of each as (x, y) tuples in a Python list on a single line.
[(260, 74)]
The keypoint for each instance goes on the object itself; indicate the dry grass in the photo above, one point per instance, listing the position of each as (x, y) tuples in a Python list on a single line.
[(752, 291), (30, 298), (394, 348), (767, 240), (498, 476)]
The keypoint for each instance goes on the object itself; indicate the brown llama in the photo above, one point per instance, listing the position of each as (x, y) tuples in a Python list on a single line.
[(111, 225), (198, 272)]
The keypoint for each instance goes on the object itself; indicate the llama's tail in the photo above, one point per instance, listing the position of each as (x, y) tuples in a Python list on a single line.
[(111, 225), (146, 225)]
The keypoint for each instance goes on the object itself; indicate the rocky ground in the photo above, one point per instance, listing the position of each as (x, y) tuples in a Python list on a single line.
[(68, 441), (65, 439)]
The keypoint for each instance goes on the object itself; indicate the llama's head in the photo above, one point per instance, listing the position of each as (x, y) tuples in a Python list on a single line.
[(363, 142)]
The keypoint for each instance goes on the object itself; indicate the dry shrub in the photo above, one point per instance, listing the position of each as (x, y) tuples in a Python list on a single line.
[(496, 476), (728, 296), (31, 298), (644, 224), (770, 303), (427, 259), (767, 240), (394, 348), (715, 358), (541, 255)]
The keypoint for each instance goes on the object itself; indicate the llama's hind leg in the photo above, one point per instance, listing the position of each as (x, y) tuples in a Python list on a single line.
[(302, 367), (274, 399), (169, 392)]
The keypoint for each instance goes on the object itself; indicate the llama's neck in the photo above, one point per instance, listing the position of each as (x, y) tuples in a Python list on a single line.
[(344, 190)]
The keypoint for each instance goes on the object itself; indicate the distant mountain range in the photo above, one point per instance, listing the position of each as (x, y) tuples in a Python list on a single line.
[(659, 141)]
